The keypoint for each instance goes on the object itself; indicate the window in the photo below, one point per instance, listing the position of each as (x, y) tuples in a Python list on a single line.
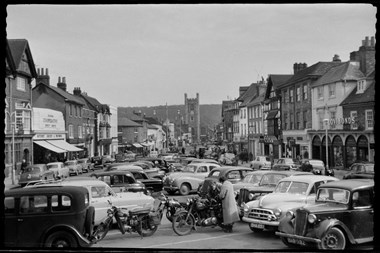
[(298, 94), (75, 111), (332, 119), (60, 203), (71, 110), (361, 199), (332, 90), (80, 132), (9, 205), (21, 84), (361, 86), (369, 119), (22, 120), (305, 119), (286, 96), (304, 91), (354, 115), (320, 92), (291, 96), (291, 121), (33, 204), (320, 118), (285, 121), (298, 120), (71, 131)]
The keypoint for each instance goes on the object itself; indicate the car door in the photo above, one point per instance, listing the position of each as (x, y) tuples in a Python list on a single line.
[(11, 221)]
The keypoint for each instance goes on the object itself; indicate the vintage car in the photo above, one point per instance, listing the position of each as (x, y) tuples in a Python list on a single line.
[(74, 167), (290, 192), (261, 163), (285, 164), (197, 160), (107, 159), (35, 173), (129, 155), (228, 159), (343, 214), (171, 157), (158, 162), (361, 170), (60, 169), (268, 180), (154, 172), (188, 179), (120, 181), (86, 164), (234, 174), (318, 167), (97, 162), (47, 216), (100, 192)]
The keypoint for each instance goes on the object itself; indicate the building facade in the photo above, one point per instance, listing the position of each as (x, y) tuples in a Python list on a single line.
[(192, 117)]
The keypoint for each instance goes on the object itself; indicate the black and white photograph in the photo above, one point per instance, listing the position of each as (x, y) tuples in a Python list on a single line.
[(187, 127)]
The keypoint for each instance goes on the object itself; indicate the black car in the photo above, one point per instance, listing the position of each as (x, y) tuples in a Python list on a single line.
[(48, 216), (343, 213), (120, 181)]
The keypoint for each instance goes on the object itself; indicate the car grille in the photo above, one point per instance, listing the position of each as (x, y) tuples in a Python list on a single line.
[(300, 222), (261, 214), (243, 196)]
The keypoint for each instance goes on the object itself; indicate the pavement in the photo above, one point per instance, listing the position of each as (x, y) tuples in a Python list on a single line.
[(8, 182)]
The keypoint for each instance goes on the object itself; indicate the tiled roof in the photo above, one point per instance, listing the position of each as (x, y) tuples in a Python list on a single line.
[(123, 121), (93, 101), (316, 70), (152, 127), (345, 71), (248, 95), (123, 112), (367, 96), (66, 95), (257, 100), (17, 47), (151, 120), (277, 80)]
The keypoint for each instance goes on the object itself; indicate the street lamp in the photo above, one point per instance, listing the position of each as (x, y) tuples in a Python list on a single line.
[(326, 121), (13, 124)]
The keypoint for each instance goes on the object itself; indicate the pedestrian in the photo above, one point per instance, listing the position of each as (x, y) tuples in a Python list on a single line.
[(230, 211), (23, 166)]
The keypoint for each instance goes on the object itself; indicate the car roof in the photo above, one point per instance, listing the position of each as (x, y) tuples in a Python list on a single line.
[(54, 163), (350, 184), (113, 172), (228, 168), (308, 178), (84, 182), (282, 172), (203, 164), (51, 189)]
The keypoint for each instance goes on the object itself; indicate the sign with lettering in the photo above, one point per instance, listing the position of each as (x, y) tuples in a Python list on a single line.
[(341, 121), (49, 136), (48, 120)]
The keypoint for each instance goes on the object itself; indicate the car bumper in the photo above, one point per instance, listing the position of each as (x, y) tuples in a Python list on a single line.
[(298, 237), (171, 188), (262, 222)]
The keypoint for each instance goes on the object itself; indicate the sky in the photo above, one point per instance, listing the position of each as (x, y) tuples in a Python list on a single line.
[(151, 55)]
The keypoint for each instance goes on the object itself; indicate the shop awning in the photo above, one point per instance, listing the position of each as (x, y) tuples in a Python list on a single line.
[(64, 145), (144, 144), (137, 145), (272, 115), (49, 146)]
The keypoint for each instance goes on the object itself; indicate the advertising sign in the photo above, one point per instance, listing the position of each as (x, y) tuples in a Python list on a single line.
[(47, 120)]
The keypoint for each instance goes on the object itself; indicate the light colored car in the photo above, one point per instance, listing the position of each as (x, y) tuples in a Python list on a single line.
[(153, 154), (205, 161), (74, 167), (59, 168), (285, 164), (261, 163), (290, 192), (86, 165), (35, 173), (189, 179), (100, 192), (129, 155)]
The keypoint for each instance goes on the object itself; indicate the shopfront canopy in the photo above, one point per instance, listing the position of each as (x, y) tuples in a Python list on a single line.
[(49, 146), (64, 145), (145, 145), (137, 145)]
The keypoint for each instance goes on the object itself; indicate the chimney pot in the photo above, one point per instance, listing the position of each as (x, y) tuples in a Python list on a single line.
[(47, 71), (372, 41), (59, 79), (42, 71), (64, 79)]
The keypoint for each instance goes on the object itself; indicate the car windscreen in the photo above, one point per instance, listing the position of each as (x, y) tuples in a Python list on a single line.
[(69, 163), (292, 187), (271, 179), (253, 179), (189, 168), (52, 166)]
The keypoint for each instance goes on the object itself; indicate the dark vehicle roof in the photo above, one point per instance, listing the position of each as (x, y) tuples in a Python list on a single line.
[(225, 169), (43, 189), (113, 172), (350, 184)]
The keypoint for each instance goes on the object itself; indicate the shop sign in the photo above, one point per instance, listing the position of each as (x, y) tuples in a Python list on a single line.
[(48, 120), (49, 136), (267, 139), (341, 121)]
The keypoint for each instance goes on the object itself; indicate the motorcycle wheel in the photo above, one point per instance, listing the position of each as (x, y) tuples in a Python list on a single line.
[(146, 229), (182, 223), (102, 229)]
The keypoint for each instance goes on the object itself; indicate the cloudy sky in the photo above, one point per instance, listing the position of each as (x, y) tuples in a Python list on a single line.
[(149, 55)]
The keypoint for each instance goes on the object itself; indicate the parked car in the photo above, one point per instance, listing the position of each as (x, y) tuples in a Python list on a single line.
[(171, 157), (129, 155), (120, 181), (285, 164), (54, 216), (154, 172), (268, 179), (233, 174), (361, 170), (106, 159), (151, 184), (197, 160), (74, 167), (100, 193), (343, 214), (60, 169), (290, 192), (153, 154), (35, 173), (261, 163), (97, 162), (188, 179), (317, 167), (174, 167), (86, 165)]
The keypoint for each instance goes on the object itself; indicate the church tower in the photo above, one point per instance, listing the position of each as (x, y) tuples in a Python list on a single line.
[(192, 117)]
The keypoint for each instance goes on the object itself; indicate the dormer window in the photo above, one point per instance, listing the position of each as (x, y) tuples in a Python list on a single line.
[(361, 86)]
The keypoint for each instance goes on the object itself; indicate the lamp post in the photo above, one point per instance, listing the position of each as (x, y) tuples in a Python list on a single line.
[(13, 124), (326, 121)]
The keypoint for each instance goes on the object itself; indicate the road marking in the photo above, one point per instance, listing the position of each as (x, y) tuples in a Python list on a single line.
[(197, 240)]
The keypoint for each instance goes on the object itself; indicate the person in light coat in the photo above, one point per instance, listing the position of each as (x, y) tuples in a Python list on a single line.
[(230, 211)]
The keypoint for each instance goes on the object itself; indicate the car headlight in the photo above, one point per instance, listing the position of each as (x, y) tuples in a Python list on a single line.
[(311, 218), (277, 212), (290, 214), (251, 196), (246, 208)]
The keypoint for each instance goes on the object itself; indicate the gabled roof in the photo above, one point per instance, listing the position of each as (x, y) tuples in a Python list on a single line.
[(277, 80), (257, 100), (123, 121), (10, 64), (69, 97), (249, 95), (18, 47), (123, 112), (92, 101), (367, 96), (345, 71), (316, 70)]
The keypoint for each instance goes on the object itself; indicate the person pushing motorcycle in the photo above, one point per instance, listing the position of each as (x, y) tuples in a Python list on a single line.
[(230, 211)]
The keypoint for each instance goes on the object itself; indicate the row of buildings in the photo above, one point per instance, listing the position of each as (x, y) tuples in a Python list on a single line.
[(295, 115)]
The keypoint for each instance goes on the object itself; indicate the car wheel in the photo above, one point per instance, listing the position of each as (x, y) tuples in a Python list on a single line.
[(184, 189), (256, 230), (333, 239), (61, 239)]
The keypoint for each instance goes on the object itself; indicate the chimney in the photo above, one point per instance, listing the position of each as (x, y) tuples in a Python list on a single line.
[(298, 67), (62, 85), (372, 41), (336, 58), (43, 78), (77, 91)]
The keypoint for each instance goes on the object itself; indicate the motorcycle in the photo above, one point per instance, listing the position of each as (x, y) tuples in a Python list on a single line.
[(141, 220), (199, 211), (172, 206)]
